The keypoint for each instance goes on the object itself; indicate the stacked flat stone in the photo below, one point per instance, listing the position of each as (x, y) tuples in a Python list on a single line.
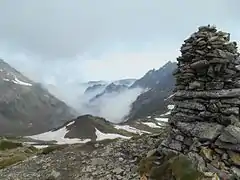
[(205, 122)]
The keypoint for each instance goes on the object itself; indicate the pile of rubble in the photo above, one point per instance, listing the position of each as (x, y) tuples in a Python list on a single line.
[(205, 123)]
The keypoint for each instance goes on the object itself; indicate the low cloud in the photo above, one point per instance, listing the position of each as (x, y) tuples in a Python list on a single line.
[(114, 107), (111, 106)]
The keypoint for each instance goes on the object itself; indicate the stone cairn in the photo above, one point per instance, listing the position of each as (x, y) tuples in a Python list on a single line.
[(205, 123)]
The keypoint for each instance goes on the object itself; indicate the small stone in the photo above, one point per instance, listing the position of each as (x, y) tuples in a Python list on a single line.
[(214, 85), (120, 159), (231, 134), (175, 145), (218, 68), (196, 85), (151, 152), (213, 108), (118, 171), (179, 138), (207, 153), (230, 71), (219, 151), (236, 171), (237, 67), (98, 161), (186, 48), (200, 52), (200, 64), (55, 174), (225, 156), (215, 163), (235, 157), (210, 72), (231, 110)]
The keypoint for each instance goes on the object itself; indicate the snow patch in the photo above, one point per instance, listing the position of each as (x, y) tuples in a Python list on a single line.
[(101, 136), (131, 129), (162, 119), (170, 107), (58, 136), (17, 81), (40, 146), (151, 124), (69, 124), (167, 113), (6, 79), (169, 97)]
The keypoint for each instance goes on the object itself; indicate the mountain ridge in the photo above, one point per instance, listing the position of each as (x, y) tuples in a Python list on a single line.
[(26, 107)]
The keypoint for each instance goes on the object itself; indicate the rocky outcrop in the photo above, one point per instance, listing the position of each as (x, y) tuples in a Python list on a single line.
[(205, 123)]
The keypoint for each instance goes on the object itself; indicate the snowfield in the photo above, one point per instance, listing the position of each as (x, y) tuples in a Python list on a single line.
[(101, 136), (58, 136), (151, 124), (131, 129)]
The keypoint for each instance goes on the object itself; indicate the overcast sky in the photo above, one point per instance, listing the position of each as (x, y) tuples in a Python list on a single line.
[(79, 40)]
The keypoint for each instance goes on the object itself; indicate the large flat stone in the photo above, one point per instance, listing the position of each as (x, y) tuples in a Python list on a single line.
[(190, 105), (230, 134), (185, 118), (228, 146), (231, 101), (209, 94), (203, 130)]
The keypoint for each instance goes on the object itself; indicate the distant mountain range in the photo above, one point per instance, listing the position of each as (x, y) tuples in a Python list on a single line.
[(26, 107), (156, 86)]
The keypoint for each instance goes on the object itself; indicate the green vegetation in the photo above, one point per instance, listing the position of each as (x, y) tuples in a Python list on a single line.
[(12, 152), (6, 144), (177, 166), (11, 160), (51, 149)]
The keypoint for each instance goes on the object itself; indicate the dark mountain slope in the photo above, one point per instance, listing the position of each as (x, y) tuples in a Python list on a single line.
[(160, 85), (26, 107)]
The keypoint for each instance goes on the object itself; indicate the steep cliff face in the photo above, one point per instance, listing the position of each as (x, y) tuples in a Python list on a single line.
[(26, 107), (159, 84), (205, 121)]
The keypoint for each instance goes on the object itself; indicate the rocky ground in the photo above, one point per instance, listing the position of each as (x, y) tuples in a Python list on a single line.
[(105, 160)]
